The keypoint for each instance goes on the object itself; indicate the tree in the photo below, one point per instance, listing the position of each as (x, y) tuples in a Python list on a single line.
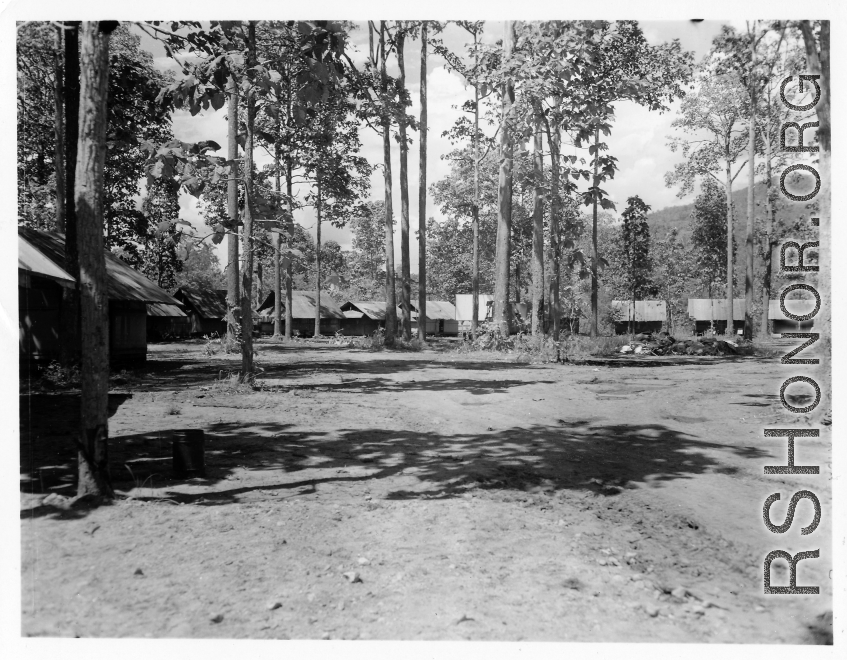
[(246, 375), (773, 115), (48, 107), (747, 56), (462, 130), (158, 255), (422, 188), (504, 194), (91, 155), (714, 116), (341, 178), (366, 261), (816, 40), (201, 270), (709, 236), (405, 264), (231, 222), (633, 252), (671, 271), (377, 92)]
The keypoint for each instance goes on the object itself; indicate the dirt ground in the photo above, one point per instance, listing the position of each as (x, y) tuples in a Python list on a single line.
[(425, 496)]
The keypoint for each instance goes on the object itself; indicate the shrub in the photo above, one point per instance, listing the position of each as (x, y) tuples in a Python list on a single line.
[(55, 375)]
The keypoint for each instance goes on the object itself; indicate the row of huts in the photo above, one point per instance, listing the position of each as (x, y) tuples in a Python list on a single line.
[(707, 314), (140, 310)]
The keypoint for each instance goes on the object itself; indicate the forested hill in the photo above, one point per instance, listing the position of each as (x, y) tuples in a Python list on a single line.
[(663, 220)]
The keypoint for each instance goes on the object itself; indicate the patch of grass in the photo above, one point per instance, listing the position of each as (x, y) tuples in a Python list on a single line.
[(765, 350), (579, 347), (229, 382), (413, 344), (173, 409)]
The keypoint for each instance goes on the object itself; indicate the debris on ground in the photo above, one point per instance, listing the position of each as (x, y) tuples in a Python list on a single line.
[(662, 343)]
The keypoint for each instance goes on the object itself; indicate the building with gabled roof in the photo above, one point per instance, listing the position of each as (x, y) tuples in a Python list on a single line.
[(710, 313), (42, 273), (795, 306), (303, 308), (206, 310), (363, 317), (645, 316), (440, 317)]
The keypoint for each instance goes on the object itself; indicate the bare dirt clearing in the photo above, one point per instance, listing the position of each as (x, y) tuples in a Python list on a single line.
[(430, 495)]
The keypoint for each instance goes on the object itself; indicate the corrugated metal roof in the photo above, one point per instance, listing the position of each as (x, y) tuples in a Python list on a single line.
[(645, 310), (797, 306), (32, 260), (303, 305), (158, 309), (352, 314), (438, 310), (707, 309), (124, 283), (208, 304)]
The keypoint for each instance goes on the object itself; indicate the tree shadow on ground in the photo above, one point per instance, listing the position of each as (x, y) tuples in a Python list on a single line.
[(578, 455), (375, 385), (167, 374)]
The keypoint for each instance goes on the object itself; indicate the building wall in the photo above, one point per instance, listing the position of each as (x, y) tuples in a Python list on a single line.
[(622, 327), (362, 327), (163, 328), (306, 327), (464, 306), (127, 331), (39, 320), (786, 325), (200, 326), (701, 327)]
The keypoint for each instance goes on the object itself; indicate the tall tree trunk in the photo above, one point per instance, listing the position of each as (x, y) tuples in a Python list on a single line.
[(289, 270), (94, 302), (668, 316), (246, 375), (818, 61), (422, 193), (232, 297), (594, 256), (730, 271), (475, 282), (502, 257), (390, 294), (554, 306), (59, 131), (318, 262), (769, 242), (258, 286), (751, 198), (277, 240), (70, 314), (405, 263), (537, 228)]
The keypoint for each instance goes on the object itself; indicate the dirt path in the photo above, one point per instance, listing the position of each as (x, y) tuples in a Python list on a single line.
[(472, 498)]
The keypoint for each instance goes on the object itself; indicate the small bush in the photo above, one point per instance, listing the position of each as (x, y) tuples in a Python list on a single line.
[(212, 344), (373, 342), (55, 375), (539, 349), (173, 409), (340, 339), (228, 382)]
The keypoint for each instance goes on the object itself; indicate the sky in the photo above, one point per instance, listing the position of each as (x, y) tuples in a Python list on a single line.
[(638, 138)]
